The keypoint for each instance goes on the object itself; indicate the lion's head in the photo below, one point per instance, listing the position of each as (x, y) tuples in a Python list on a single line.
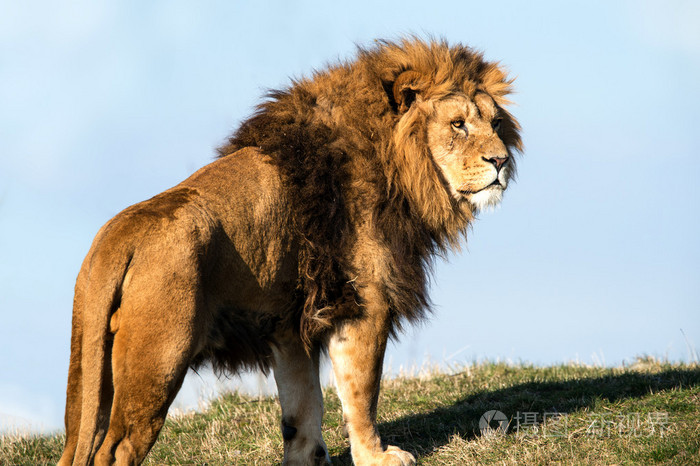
[(451, 110)]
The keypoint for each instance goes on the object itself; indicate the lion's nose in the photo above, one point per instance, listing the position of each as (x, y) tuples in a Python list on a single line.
[(497, 162)]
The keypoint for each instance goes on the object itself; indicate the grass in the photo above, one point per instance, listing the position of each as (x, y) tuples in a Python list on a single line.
[(647, 413)]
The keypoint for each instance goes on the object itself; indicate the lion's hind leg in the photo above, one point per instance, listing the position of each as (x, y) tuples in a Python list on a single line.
[(152, 349), (297, 378)]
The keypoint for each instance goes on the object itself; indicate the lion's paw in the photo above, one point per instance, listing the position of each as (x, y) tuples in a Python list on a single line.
[(394, 456)]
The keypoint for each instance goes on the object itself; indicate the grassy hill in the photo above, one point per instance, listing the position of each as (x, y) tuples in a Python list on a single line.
[(645, 413)]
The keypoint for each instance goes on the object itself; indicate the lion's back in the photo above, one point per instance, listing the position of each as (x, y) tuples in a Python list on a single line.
[(228, 222)]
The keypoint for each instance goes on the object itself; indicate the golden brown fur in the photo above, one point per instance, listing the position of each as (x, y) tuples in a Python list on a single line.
[(315, 229)]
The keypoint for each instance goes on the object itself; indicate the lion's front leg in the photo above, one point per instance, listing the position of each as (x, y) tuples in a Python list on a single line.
[(357, 349), (297, 378)]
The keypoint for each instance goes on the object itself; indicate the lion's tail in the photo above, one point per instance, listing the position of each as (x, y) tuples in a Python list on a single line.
[(103, 287)]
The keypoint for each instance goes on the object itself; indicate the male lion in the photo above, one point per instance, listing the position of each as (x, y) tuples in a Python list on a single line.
[(313, 231)]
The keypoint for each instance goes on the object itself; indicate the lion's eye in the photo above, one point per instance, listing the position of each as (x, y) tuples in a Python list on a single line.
[(458, 124), (497, 124)]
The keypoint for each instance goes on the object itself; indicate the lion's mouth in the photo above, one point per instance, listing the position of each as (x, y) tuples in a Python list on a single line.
[(496, 184)]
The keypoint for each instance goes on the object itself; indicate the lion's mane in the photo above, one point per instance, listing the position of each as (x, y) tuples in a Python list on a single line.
[(349, 154)]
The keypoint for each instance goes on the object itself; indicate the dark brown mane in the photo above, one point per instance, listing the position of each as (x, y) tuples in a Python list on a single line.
[(348, 157)]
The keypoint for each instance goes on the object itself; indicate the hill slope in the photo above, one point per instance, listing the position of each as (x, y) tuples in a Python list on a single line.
[(646, 413)]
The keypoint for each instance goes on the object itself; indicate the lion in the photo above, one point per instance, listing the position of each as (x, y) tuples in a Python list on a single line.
[(313, 232)]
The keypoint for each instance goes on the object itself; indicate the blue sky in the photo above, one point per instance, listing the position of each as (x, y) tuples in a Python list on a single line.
[(594, 255)]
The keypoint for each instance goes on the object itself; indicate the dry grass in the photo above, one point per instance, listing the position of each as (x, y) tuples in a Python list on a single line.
[(647, 413)]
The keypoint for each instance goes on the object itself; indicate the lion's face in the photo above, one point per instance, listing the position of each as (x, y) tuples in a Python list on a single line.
[(465, 141)]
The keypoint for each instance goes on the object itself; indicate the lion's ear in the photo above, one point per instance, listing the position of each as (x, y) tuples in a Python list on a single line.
[(406, 89)]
